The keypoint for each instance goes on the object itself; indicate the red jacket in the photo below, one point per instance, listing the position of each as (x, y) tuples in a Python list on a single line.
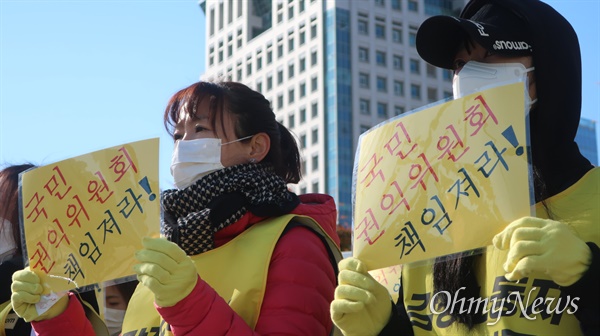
[(300, 285)]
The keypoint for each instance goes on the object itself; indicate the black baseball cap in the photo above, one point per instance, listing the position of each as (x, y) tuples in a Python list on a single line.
[(494, 27)]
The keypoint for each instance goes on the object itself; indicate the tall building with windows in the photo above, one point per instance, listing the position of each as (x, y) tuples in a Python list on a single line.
[(587, 141), (331, 70)]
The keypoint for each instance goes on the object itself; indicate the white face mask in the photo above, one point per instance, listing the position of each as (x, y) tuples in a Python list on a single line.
[(8, 247), (193, 159), (476, 76), (113, 318)]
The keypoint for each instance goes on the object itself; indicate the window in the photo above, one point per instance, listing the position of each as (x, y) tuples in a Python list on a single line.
[(269, 82), (382, 110), (314, 84), (380, 3), (315, 185), (431, 71), (269, 56), (290, 12), (315, 165), (363, 54), (363, 27), (259, 86), (398, 62), (303, 170), (364, 107), (302, 63), (363, 80), (280, 101), (301, 6), (396, 5), (399, 88), (414, 67), (432, 95), (279, 49), (315, 136), (380, 31), (291, 121), (448, 94), (447, 75), (381, 84), (413, 5), (302, 37), (291, 44), (314, 110), (291, 96), (302, 115), (313, 58), (290, 71), (398, 110), (415, 91), (380, 58), (397, 35), (313, 31), (302, 90), (302, 141), (364, 128), (412, 37)]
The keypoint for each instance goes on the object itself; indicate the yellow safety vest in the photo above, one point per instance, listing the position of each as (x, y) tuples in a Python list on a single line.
[(242, 283), (552, 315)]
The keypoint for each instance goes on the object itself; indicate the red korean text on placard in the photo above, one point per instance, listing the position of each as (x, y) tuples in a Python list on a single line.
[(448, 143), (99, 189), (75, 209), (368, 228), (36, 207), (399, 142), (55, 237), (394, 199), (373, 170), (57, 184), (418, 171), (121, 163), (479, 113), (41, 259)]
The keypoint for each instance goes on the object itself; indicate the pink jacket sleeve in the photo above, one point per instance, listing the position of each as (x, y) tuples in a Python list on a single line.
[(300, 287), (71, 322)]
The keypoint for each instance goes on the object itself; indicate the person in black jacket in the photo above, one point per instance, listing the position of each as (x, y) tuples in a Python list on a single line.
[(541, 274)]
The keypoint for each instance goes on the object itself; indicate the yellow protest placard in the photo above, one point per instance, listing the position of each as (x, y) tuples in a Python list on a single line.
[(83, 218), (442, 180)]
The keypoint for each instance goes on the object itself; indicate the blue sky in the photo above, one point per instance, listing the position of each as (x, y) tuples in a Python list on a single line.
[(80, 76)]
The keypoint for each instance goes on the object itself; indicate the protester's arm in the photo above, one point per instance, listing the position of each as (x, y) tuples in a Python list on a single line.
[(399, 322), (299, 288)]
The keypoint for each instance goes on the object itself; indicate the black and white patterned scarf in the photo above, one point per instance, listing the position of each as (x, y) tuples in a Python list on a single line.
[(192, 215)]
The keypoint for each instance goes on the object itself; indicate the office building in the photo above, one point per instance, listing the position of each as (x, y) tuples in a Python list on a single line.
[(587, 140), (331, 69)]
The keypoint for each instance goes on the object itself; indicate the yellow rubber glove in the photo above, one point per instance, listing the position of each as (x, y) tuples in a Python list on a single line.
[(27, 290), (544, 246), (166, 270), (362, 306)]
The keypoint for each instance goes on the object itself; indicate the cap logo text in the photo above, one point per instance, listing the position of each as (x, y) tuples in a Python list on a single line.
[(511, 45), (480, 28)]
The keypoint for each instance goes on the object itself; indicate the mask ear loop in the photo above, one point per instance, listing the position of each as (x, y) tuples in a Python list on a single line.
[(236, 140)]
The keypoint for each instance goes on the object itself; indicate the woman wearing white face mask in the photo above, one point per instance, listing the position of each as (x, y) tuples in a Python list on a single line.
[(116, 297), (243, 255), (541, 275)]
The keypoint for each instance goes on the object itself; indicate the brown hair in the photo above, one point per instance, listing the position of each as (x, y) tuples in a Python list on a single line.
[(9, 198)]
